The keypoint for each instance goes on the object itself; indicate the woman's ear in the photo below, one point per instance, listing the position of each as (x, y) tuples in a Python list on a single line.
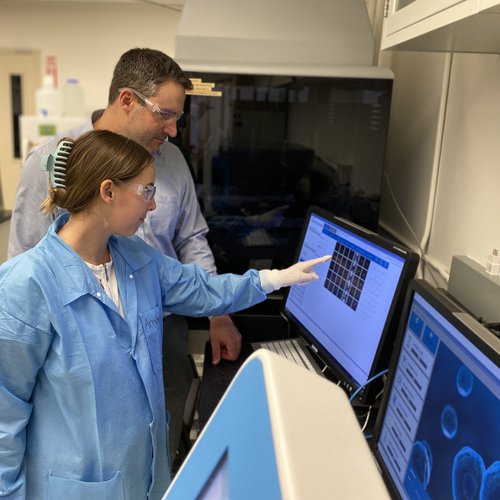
[(107, 191)]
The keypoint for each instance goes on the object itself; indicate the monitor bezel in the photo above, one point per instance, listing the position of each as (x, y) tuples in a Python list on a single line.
[(451, 311), (384, 349)]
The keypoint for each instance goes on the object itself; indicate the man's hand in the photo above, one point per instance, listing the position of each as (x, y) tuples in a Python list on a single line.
[(225, 339)]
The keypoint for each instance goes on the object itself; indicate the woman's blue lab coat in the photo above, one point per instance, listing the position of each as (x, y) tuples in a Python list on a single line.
[(82, 413)]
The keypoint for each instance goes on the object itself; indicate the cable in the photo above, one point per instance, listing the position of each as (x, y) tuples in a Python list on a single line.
[(379, 394), (423, 255), (367, 418), (361, 387)]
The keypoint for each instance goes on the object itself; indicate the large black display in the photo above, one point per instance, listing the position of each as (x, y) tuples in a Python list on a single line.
[(269, 147)]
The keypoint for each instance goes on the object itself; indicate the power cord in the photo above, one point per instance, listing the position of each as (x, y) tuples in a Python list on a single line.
[(368, 413), (423, 254), (361, 387)]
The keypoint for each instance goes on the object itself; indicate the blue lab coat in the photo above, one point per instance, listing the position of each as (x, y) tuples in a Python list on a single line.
[(82, 413)]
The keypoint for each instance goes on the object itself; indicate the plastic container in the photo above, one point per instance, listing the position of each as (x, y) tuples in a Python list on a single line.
[(73, 99), (48, 99)]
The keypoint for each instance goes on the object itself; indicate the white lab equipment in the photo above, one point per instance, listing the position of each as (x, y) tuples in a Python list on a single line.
[(35, 129), (280, 431)]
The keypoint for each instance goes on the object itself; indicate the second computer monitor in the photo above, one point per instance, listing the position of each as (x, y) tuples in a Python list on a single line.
[(438, 431)]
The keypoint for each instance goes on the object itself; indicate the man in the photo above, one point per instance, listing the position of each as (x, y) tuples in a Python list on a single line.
[(146, 98)]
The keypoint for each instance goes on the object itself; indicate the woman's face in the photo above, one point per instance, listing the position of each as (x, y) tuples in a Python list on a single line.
[(131, 206)]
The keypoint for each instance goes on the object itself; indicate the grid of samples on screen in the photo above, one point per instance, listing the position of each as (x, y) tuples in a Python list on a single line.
[(347, 274)]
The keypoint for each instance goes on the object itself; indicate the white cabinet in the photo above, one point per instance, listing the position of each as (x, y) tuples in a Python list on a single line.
[(442, 25), (403, 14), (486, 4)]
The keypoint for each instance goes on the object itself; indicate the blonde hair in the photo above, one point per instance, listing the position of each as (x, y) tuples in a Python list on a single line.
[(95, 156)]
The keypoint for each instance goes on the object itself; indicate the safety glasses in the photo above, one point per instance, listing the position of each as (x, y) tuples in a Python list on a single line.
[(165, 115)]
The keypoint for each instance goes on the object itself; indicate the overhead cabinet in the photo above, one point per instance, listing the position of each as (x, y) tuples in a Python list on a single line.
[(442, 25)]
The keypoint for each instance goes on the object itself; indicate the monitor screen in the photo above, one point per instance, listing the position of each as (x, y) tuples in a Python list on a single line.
[(217, 485), (347, 314), (438, 432)]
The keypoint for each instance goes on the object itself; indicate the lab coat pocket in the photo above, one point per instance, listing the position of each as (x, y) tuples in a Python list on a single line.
[(152, 325), (60, 487)]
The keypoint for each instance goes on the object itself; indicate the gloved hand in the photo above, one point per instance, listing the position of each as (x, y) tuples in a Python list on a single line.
[(298, 274)]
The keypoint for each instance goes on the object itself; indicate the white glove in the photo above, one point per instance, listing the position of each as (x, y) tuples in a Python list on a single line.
[(298, 274)]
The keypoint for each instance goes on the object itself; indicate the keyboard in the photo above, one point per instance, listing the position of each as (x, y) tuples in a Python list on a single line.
[(289, 349)]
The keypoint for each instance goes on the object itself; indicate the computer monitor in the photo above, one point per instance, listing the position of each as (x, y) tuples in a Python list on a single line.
[(438, 428), (350, 317)]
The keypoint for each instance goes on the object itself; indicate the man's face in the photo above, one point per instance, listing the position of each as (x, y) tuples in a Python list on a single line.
[(151, 129)]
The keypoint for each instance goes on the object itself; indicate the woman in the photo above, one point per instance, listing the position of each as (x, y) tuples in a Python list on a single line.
[(82, 411)]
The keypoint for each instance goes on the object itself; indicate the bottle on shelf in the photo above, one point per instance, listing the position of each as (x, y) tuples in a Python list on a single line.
[(48, 98), (73, 99)]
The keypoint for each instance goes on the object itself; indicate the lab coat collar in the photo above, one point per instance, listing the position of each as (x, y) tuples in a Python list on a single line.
[(73, 276)]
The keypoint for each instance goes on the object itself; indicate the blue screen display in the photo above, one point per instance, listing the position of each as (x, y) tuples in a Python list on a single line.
[(346, 310), (440, 437)]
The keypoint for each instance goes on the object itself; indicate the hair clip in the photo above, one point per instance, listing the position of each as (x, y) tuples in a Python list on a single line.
[(55, 164)]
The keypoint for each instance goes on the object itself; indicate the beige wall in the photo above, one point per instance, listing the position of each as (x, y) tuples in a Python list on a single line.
[(86, 37), (443, 153)]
